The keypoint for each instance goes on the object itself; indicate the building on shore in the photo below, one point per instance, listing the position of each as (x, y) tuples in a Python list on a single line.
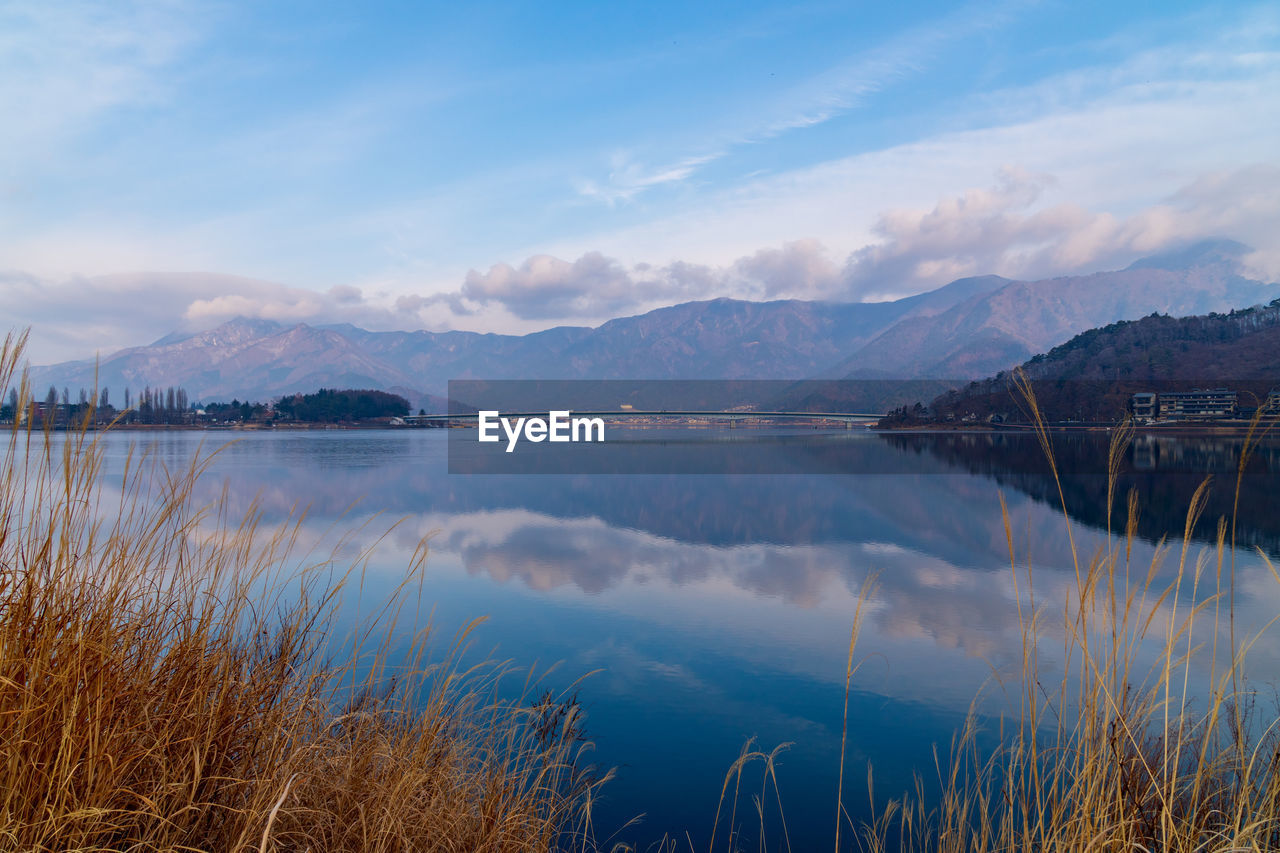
[(1144, 405), (1198, 404)]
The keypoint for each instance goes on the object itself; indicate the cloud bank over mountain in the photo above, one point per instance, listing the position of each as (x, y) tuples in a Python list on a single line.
[(970, 328), (1000, 229), (1003, 230)]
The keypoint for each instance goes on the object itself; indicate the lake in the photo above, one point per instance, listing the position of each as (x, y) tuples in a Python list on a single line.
[(711, 609)]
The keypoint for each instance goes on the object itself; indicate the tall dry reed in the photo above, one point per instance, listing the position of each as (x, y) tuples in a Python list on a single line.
[(175, 678), (1152, 736)]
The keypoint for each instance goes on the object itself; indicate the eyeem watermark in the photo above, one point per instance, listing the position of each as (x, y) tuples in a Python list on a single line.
[(558, 426)]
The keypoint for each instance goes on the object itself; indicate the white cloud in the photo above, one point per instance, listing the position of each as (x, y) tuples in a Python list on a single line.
[(1244, 203), (1002, 230), (545, 287), (800, 269)]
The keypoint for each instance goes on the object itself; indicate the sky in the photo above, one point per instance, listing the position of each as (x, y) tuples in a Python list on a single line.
[(511, 166)]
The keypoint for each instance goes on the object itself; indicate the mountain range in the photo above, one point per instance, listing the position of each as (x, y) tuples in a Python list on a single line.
[(970, 328)]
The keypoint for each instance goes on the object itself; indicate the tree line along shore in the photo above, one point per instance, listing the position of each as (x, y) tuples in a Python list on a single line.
[(172, 407)]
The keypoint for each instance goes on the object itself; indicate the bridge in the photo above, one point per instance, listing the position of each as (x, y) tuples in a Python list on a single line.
[(847, 418)]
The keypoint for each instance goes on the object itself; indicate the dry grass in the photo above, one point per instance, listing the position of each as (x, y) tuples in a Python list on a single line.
[(172, 678)]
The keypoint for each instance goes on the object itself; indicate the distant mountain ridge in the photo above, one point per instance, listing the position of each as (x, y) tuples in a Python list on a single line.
[(969, 328), (993, 331)]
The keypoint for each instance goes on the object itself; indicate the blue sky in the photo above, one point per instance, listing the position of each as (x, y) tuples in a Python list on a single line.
[(511, 166)]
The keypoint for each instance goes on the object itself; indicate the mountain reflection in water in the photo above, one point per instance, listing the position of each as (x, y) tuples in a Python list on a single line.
[(717, 608)]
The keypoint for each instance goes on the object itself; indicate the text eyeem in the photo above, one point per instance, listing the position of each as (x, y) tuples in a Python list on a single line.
[(557, 426)]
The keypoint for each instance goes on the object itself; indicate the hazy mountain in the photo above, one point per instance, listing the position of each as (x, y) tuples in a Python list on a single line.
[(241, 358), (968, 328), (722, 338), (995, 330)]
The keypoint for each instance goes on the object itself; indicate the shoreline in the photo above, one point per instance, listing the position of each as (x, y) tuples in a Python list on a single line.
[(1237, 429), (291, 427)]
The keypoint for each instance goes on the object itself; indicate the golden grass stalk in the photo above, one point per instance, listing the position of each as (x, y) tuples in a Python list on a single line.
[(173, 678)]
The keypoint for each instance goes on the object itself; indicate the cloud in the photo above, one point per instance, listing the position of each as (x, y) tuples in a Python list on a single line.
[(1116, 137), (628, 178), (62, 65), (815, 100), (545, 287), (282, 305), (1005, 229), (78, 316), (1002, 230), (1244, 204), (596, 287), (962, 235), (918, 597), (345, 294), (801, 268)]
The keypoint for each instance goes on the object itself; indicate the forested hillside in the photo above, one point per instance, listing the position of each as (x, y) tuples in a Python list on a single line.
[(1093, 376)]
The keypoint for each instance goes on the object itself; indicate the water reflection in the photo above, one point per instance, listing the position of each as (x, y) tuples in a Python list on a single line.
[(718, 608), (1164, 471)]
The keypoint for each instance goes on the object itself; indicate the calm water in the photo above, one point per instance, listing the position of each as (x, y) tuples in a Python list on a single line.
[(715, 608)]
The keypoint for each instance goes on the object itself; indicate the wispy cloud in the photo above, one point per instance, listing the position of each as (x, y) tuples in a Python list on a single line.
[(809, 103), (627, 178), (63, 65), (845, 86)]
